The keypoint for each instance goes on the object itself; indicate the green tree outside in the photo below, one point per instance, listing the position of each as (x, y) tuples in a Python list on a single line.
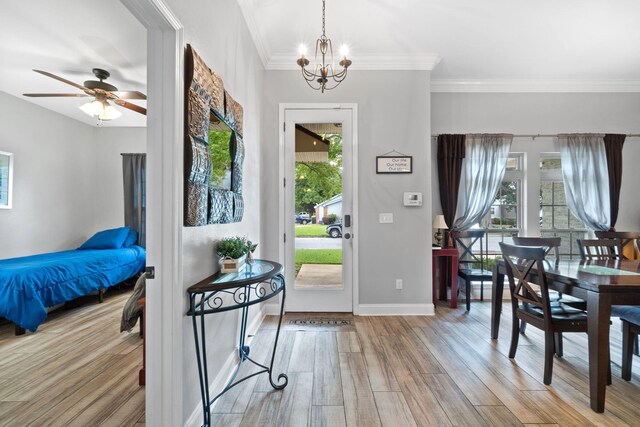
[(219, 144), (319, 181)]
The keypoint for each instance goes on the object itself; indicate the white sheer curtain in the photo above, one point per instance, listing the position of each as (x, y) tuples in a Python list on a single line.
[(482, 172), (586, 178)]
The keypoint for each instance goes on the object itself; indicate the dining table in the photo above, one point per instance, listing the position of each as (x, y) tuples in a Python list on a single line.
[(601, 284)]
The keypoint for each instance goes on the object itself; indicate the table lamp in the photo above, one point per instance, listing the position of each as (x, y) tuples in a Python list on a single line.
[(439, 223)]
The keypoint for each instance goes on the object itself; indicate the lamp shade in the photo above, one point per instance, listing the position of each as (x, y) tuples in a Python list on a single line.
[(439, 222)]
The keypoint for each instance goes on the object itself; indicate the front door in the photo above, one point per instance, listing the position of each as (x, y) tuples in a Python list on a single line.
[(318, 216)]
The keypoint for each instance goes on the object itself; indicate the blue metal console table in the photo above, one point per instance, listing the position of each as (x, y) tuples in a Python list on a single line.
[(255, 283)]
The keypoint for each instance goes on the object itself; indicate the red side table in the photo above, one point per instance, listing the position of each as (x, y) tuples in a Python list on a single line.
[(441, 255)]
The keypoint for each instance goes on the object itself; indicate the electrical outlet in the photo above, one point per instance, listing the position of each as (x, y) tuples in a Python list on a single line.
[(398, 283)]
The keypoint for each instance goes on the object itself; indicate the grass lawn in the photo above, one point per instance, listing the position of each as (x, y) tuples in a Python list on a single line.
[(311, 230), (317, 256)]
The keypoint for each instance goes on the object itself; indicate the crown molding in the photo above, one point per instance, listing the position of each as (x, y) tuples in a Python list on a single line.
[(533, 86), (258, 40), (365, 62)]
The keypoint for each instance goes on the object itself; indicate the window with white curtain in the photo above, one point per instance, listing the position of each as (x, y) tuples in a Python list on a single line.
[(505, 216), (555, 217)]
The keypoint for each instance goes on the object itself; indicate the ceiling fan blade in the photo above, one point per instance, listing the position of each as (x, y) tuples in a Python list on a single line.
[(130, 106), (131, 94), (44, 95), (53, 76)]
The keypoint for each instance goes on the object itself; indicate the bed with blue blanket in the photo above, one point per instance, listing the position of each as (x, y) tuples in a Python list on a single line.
[(28, 285)]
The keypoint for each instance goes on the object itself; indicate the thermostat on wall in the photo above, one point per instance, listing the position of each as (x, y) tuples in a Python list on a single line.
[(412, 198)]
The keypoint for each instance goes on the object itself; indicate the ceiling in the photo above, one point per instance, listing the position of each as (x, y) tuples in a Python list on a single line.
[(501, 45), (68, 38)]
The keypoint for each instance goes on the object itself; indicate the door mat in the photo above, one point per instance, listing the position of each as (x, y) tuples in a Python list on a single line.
[(320, 322)]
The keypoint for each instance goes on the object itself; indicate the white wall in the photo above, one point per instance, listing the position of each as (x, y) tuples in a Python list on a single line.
[(64, 186), (545, 113), (108, 144), (218, 32), (393, 114)]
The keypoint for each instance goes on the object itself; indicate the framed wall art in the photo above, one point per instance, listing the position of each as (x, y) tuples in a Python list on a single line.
[(6, 179), (399, 163)]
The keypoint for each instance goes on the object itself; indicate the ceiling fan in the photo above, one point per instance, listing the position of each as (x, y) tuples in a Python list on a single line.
[(101, 91)]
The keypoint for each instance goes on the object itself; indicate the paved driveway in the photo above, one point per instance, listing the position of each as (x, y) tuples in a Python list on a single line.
[(318, 243)]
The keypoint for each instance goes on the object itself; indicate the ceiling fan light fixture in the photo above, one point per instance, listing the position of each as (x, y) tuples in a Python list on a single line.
[(101, 109), (110, 113)]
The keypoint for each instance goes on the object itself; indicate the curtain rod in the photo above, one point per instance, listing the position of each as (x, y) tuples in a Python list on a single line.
[(630, 135)]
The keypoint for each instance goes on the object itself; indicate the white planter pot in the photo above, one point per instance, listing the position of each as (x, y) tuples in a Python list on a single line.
[(232, 265)]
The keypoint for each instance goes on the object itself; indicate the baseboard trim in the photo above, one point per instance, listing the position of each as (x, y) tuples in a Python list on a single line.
[(271, 309), (229, 366), (396, 310)]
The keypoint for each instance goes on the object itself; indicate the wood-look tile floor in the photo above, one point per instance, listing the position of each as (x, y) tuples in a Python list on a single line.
[(423, 371), (79, 370), (76, 370)]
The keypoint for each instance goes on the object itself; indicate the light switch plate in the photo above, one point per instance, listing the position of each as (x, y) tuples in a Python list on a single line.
[(385, 218)]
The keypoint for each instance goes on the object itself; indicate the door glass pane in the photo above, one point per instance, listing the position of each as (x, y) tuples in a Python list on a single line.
[(318, 206)]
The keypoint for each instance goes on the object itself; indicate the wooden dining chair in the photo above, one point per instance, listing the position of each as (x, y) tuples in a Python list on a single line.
[(472, 263), (629, 249), (630, 317), (550, 244), (629, 241), (600, 249), (530, 302)]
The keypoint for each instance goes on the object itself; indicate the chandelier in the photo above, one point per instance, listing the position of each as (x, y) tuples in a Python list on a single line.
[(323, 71)]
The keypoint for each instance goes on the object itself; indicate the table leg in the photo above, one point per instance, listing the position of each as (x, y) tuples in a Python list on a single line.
[(282, 376), (454, 281), (496, 301), (598, 317)]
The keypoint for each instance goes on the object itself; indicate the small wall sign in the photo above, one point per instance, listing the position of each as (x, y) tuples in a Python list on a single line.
[(394, 164)]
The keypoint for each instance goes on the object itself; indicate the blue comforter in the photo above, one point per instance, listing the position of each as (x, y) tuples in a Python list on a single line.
[(28, 285)]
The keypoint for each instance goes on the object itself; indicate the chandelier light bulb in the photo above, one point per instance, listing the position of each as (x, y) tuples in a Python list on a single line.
[(344, 51), (302, 50)]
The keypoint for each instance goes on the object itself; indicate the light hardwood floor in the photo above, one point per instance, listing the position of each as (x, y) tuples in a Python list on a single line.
[(76, 370), (423, 371), (444, 370)]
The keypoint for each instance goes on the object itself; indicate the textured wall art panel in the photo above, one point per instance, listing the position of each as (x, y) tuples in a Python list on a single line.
[(220, 206), (210, 82), (238, 207), (199, 113), (233, 113), (238, 162), (196, 200), (201, 165)]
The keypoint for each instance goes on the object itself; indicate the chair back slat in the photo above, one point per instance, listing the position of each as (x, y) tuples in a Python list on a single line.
[(629, 240), (548, 243), (465, 242), (600, 249), (519, 261)]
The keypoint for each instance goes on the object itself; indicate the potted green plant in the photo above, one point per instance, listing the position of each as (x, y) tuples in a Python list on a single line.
[(233, 253)]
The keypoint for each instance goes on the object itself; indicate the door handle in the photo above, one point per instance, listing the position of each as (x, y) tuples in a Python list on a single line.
[(347, 236), (347, 220)]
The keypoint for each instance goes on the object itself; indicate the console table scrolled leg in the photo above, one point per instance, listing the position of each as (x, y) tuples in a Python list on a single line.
[(201, 359), (282, 376), (243, 350)]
